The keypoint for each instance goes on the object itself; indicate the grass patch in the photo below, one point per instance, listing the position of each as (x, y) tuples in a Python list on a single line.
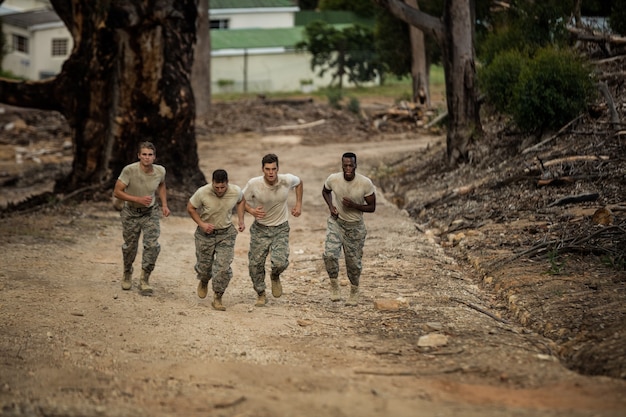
[(393, 89)]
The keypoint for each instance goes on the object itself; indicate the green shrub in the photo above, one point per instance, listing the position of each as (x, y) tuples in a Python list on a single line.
[(225, 82), (354, 105), (334, 95), (617, 20), (498, 79), (552, 89), (499, 42), (10, 75)]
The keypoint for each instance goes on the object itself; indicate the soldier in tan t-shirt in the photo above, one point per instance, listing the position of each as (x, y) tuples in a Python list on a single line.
[(348, 195), (211, 207), (137, 186), (266, 199)]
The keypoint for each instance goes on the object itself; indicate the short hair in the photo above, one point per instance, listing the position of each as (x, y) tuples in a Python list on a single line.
[(270, 158), (349, 155), (220, 176), (146, 145)]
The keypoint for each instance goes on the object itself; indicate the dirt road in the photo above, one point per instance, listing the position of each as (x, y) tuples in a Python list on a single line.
[(73, 343)]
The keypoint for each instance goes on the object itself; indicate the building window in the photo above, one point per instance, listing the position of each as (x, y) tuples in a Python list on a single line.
[(20, 43), (219, 24), (59, 47)]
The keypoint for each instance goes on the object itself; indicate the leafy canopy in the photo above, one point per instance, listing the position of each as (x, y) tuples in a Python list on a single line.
[(342, 52)]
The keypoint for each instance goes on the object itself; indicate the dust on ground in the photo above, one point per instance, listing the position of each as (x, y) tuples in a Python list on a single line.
[(452, 320)]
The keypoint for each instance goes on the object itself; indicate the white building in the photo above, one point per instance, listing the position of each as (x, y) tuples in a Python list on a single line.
[(252, 44), (38, 43), (252, 14)]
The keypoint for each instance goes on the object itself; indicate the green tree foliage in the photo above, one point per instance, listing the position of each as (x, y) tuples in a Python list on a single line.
[(526, 26), (598, 7), (617, 19), (551, 90), (393, 44), (527, 69), (362, 8), (307, 4), (342, 52), (498, 79)]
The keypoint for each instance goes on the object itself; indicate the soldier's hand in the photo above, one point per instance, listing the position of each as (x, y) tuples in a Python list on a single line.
[(259, 213), (145, 200)]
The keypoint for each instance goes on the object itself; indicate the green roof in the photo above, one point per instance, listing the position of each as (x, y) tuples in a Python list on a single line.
[(256, 38), (250, 4)]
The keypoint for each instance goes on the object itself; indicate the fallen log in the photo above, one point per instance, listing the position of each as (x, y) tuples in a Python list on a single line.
[(436, 120), (573, 158), (295, 127), (583, 35), (580, 198)]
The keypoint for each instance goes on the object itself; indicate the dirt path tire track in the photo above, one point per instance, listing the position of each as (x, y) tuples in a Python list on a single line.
[(73, 343)]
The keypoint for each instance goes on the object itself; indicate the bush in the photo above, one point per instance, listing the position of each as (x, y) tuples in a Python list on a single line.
[(617, 20), (354, 105), (334, 95), (498, 79), (497, 43), (552, 89)]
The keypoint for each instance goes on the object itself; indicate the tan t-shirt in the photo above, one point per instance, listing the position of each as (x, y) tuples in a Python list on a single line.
[(139, 184), (273, 198), (356, 190), (213, 209)]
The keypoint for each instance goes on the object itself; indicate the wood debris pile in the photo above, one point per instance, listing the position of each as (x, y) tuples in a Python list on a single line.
[(411, 115)]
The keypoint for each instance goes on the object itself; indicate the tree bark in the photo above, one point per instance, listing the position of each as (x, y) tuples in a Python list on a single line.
[(126, 81), (419, 64), (455, 34), (201, 70), (458, 61)]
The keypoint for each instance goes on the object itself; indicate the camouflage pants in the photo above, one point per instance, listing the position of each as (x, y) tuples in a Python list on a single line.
[(349, 236), (263, 241), (134, 222), (214, 254)]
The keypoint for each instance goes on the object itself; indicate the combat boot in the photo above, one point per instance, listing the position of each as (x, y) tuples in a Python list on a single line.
[(277, 287), (354, 296), (334, 290), (127, 281), (217, 302), (144, 286), (203, 288), (261, 300)]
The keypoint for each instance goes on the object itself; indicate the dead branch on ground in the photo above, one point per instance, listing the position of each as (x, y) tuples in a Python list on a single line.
[(480, 310), (580, 198), (551, 138), (608, 240)]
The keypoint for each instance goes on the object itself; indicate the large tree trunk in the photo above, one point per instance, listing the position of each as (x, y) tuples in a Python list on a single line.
[(201, 71), (455, 33), (419, 64), (458, 60), (126, 81)]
